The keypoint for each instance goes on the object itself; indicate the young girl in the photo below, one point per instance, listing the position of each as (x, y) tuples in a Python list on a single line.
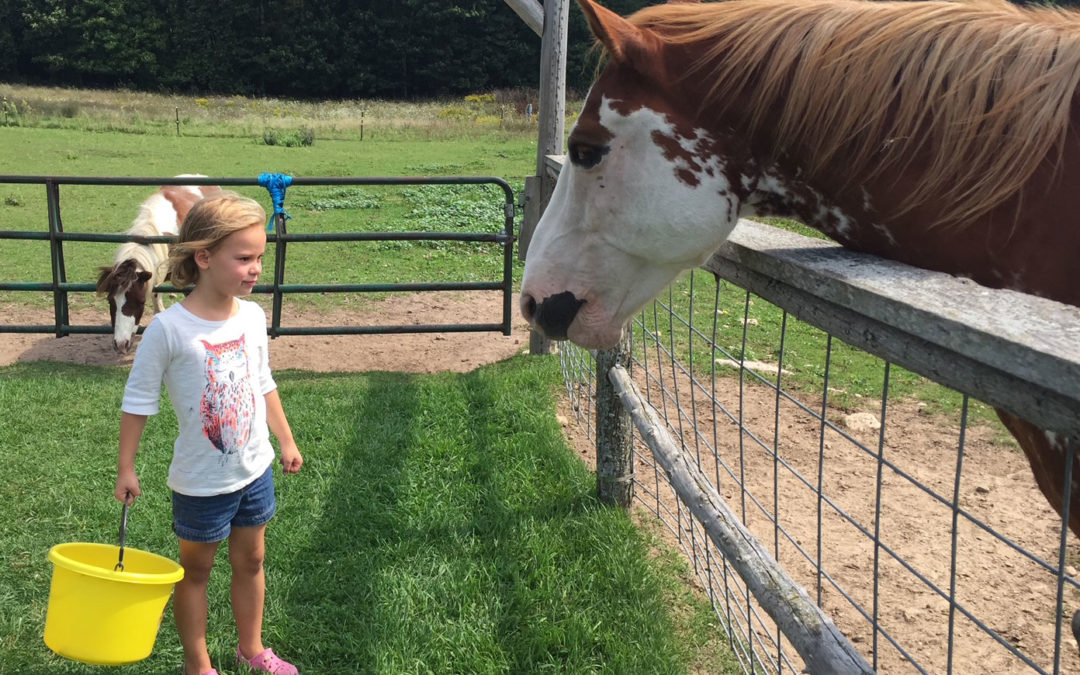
[(211, 351)]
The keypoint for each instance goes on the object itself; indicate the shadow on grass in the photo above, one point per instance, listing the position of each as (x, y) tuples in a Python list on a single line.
[(453, 532), (439, 525)]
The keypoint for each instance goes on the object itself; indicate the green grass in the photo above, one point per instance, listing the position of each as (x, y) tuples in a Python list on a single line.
[(313, 209), (105, 133), (440, 525)]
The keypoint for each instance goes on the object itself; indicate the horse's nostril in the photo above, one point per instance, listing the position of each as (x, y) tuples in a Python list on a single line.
[(528, 307), (555, 314)]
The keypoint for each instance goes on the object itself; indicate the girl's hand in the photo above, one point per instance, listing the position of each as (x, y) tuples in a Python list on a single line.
[(127, 487), (291, 461)]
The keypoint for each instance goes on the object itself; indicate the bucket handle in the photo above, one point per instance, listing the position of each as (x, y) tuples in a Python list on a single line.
[(123, 535)]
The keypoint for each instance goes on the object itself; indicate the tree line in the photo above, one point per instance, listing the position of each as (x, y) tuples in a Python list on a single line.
[(308, 49)]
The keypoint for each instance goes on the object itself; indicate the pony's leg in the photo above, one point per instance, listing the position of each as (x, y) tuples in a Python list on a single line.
[(159, 304)]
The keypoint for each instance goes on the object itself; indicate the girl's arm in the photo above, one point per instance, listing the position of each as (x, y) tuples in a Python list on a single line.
[(127, 483), (276, 420)]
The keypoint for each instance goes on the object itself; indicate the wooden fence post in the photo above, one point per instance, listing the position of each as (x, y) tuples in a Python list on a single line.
[(551, 116), (614, 431)]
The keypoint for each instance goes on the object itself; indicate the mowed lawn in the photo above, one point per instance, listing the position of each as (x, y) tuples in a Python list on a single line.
[(439, 525)]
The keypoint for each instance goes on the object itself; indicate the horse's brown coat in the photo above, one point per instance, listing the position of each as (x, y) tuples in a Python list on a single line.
[(942, 135)]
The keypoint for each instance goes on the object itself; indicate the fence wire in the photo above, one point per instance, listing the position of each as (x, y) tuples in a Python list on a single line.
[(921, 534)]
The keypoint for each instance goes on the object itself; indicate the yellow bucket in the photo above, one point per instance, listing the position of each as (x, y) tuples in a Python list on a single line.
[(101, 615)]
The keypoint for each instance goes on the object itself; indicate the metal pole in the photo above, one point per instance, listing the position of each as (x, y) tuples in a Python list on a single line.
[(56, 248), (279, 272)]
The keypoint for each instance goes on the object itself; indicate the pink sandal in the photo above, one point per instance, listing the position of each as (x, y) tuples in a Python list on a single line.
[(267, 662)]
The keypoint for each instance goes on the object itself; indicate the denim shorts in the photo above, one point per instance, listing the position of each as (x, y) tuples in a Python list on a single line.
[(208, 519)]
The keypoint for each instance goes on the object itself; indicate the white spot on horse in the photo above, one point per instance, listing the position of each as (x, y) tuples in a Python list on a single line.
[(885, 233), (195, 190), (162, 213), (776, 192)]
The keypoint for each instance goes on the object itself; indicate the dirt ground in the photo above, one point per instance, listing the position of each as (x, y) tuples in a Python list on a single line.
[(1003, 588), (413, 353)]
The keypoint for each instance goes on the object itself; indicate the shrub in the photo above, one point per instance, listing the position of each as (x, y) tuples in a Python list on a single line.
[(480, 98), (302, 137), (10, 114), (455, 113)]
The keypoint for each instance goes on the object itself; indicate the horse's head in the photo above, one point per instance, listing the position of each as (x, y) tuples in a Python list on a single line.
[(646, 194), (126, 286)]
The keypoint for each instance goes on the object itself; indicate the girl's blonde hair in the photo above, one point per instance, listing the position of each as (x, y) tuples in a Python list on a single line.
[(206, 225)]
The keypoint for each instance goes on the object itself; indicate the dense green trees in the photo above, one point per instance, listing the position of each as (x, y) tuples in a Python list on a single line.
[(295, 48)]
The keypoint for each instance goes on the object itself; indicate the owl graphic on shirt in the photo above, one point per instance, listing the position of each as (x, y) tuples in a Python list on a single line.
[(228, 399)]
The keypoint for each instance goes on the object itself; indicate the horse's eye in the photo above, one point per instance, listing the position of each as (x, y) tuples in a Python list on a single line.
[(585, 155)]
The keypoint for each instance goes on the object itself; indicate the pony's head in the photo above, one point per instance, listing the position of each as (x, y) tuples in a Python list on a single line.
[(646, 194), (126, 286)]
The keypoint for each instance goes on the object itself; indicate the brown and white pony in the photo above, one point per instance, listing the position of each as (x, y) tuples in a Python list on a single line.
[(941, 134), (139, 267)]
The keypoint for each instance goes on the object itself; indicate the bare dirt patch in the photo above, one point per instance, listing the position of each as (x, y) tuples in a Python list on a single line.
[(405, 352), (1000, 586)]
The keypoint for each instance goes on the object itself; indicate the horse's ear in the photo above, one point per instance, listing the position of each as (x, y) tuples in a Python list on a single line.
[(623, 40), (104, 273), (143, 276)]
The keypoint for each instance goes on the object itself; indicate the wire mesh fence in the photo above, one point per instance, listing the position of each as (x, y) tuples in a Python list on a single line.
[(902, 507)]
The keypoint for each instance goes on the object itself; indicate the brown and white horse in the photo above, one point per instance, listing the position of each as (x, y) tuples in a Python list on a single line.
[(941, 134), (139, 267)]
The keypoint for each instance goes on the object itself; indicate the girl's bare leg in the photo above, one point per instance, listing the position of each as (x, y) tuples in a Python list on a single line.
[(190, 605), (246, 551)]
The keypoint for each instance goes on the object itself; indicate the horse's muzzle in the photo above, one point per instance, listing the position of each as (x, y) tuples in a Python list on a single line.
[(553, 315)]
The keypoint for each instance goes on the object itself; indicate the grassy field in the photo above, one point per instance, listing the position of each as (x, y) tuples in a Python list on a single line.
[(439, 525), (225, 146)]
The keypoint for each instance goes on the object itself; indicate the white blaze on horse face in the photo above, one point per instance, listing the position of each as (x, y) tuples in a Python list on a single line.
[(617, 233), (124, 326)]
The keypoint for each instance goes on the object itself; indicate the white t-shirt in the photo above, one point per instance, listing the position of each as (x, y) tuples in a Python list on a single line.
[(217, 374)]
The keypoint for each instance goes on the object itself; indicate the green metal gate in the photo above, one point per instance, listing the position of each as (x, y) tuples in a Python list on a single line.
[(279, 239)]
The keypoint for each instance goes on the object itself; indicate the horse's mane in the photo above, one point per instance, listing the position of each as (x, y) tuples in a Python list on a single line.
[(977, 92), (150, 257)]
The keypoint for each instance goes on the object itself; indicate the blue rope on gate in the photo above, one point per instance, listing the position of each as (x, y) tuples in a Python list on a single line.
[(276, 183)]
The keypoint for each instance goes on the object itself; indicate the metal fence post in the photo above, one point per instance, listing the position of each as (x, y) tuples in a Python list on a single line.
[(614, 431), (59, 269), (279, 272)]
